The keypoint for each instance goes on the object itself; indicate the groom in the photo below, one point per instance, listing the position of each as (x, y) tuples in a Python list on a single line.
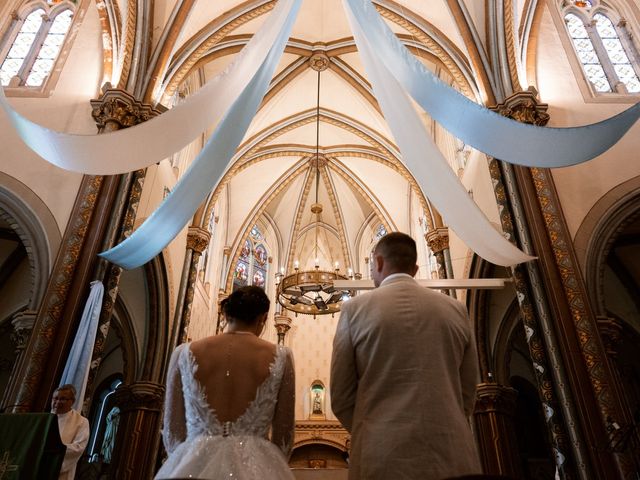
[(403, 374)]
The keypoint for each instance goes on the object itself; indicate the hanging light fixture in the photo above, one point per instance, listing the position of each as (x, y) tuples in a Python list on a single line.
[(312, 292)]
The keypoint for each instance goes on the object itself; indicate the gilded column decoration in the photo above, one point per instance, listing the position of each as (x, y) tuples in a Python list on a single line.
[(283, 324), (116, 109), (197, 242), (560, 440), (438, 242), (495, 429), (594, 356), (571, 312), (134, 455), (36, 381), (524, 107)]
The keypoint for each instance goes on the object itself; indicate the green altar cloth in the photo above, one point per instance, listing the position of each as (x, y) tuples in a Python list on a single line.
[(30, 446)]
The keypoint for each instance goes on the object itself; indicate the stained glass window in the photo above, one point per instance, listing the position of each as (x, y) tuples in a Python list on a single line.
[(587, 54), (251, 268), (36, 46), (604, 55), (617, 54), (21, 46), (380, 232)]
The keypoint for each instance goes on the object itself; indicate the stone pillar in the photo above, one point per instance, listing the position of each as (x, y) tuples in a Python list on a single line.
[(197, 242), (569, 451), (138, 436), (438, 242), (495, 430), (22, 327), (117, 109), (283, 324), (562, 301)]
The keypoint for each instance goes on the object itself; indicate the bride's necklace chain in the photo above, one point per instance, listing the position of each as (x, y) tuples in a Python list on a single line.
[(229, 344)]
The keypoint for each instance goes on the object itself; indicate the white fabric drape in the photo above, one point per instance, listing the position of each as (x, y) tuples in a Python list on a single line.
[(428, 166), (207, 169), (489, 132), (158, 138), (76, 371)]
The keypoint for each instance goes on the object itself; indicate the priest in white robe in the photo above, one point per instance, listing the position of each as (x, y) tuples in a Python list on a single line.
[(74, 429)]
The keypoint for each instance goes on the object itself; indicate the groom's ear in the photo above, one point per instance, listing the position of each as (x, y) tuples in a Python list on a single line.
[(379, 260)]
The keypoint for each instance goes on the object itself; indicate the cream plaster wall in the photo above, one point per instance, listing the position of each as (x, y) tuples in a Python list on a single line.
[(66, 110), (311, 341), (579, 187)]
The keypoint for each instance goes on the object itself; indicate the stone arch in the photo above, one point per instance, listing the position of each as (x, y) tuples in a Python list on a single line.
[(33, 222)]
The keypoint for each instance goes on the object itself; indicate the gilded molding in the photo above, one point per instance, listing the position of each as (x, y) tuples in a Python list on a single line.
[(326, 432), (586, 331), (129, 38), (324, 172), (53, 304), (287, 178), (205, 46), (511, 41), (542, 370), (432, 45)]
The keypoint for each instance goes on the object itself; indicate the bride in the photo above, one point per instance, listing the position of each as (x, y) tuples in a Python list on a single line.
[(224, 394)]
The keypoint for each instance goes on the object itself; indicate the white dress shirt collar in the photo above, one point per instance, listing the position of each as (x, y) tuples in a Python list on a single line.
[(394, 275)]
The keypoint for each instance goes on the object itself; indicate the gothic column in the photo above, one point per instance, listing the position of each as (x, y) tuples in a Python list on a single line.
[(115, 110), (136, 448), (561, 296), (197, 242), (495, 429), (283, 324), (438, 242), (22, 327), (569, 451)]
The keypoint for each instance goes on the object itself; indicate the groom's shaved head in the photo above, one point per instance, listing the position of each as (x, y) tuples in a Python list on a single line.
[(399, 251)]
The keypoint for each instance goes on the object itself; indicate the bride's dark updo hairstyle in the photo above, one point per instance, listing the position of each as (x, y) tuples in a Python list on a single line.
[(245, 305)]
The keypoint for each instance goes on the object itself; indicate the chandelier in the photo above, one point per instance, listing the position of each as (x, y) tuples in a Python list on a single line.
[(312, 292)]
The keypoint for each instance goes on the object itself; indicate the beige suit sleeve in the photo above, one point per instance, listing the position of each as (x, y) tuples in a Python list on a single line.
[(344, 375), (469, 372)]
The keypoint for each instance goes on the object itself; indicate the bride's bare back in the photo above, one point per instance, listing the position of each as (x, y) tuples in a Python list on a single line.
[(231, 367)]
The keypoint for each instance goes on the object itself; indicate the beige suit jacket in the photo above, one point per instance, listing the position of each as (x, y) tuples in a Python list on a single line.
[(403, 377)]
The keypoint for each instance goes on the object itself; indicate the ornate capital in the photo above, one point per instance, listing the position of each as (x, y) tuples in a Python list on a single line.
[(226, 250), (319, 61), (524, 107), (492, 397), (198, 239), (282, 324), (118, 109), (140, 396), (23, 325), (438, 239)]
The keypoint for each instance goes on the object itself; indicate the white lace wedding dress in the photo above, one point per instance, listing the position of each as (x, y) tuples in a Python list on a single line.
[(229, 450)]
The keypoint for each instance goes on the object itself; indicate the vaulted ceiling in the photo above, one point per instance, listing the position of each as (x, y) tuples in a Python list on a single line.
[(319, 100)]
